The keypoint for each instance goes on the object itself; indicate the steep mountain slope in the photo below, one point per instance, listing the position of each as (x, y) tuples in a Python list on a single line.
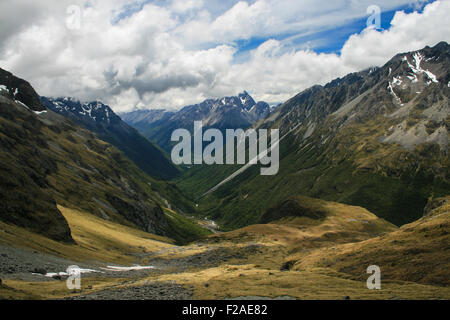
[(376, 138), (99, 118), (48, 160), (225, 113), (19, 90)]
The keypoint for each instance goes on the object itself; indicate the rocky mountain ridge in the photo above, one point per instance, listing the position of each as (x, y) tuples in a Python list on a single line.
[(234, 112), (376, 138)]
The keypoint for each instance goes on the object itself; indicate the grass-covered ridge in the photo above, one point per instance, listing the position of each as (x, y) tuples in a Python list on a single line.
[(416, 252), (95, 239)]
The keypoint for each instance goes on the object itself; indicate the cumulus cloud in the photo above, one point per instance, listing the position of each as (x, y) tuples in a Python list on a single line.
[(408, 32), (173, 53)]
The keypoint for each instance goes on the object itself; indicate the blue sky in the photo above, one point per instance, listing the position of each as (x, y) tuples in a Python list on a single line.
[(324, 41)]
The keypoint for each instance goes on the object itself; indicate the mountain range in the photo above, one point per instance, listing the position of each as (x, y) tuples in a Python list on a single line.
[(376, 139), (101, 119), (225, 113)]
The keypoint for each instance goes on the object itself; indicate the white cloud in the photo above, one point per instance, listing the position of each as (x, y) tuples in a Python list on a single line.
[(181, 53), (183, 6), (408, 32)]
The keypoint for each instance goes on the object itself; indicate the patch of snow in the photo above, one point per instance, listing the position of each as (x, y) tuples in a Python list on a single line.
[(22, 104), (417, 69), (413, 78), (391, 89), (397, 81), (107, 115), (124, 269), (52, 274), (418, 57), (40, 112), (431, 76), (3, 88)]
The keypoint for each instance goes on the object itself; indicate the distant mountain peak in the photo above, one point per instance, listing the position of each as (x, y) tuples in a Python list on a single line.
[(233, 112), (95, 110), (246, 99)]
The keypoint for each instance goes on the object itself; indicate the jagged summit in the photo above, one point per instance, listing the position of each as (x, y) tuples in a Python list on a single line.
[(95, 110), (246, 100), (232, 112)]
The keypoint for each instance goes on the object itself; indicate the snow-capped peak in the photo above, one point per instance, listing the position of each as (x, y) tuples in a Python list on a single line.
[(96, 110), (417, 69)]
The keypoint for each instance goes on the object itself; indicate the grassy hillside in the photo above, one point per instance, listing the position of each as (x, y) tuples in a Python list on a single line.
[(321, 250), (46, 159), (324, 172), (417, 252), (315, 250), (184, 230), (95, 239)]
